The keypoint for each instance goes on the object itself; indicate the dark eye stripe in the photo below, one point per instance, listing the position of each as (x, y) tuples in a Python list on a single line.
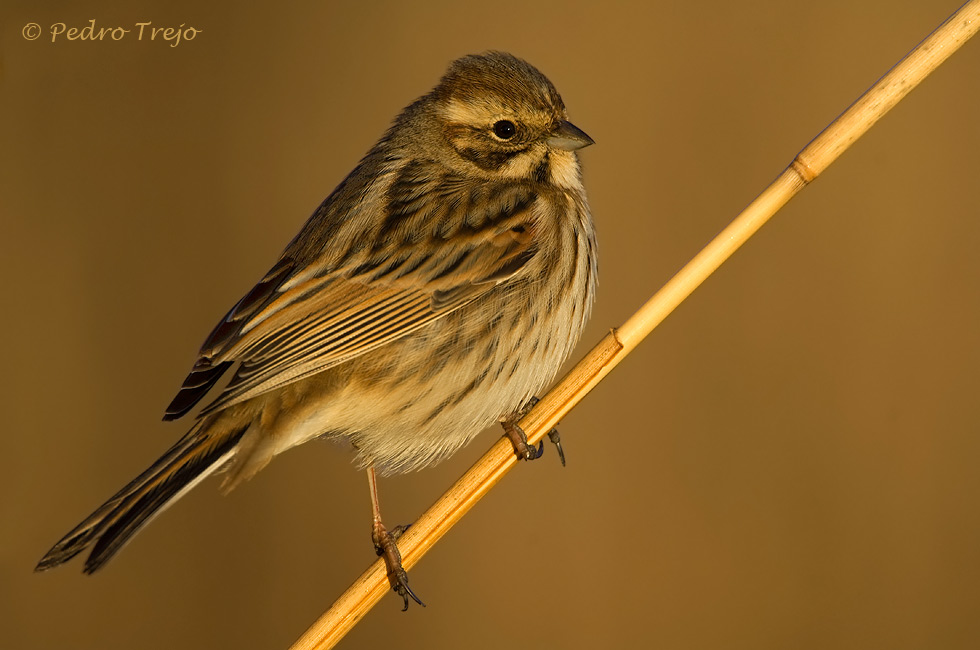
[(489, 160)]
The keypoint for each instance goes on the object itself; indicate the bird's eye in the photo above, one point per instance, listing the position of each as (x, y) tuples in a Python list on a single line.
[(504, 129)]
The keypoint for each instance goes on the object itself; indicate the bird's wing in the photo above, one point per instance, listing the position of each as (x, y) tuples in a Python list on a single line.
[(440, 244)]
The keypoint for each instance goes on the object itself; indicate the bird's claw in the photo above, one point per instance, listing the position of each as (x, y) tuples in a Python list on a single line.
[(555, 438), (398, 579), (385, 547), (398, 531), (518, 438)]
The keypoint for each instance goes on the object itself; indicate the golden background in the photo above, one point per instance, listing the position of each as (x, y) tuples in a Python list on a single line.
[(789, 461)]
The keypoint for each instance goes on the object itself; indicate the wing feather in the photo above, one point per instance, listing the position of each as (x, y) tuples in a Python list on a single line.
[(440, 243)]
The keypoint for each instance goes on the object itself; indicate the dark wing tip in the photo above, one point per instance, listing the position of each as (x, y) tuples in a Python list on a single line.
[(228, 329), (204, 375), (200, 380)]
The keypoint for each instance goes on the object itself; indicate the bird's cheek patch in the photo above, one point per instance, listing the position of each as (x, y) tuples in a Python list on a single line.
[(564, 169)]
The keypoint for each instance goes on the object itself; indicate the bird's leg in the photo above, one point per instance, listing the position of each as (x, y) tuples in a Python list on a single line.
[(385, 547), (518, 438)]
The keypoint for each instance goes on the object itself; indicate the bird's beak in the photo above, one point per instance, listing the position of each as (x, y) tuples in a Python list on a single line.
[(569, 137)]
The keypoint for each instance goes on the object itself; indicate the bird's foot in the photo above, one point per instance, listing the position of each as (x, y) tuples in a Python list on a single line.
[(518, 438), (386, 548)]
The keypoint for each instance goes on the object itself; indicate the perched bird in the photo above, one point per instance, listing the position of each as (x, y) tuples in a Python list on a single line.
[(433, 293)]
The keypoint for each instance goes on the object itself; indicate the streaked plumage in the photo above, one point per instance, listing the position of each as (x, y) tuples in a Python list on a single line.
[(434, 292)]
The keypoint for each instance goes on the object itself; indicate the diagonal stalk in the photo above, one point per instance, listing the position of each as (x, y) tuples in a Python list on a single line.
[(488, 470)]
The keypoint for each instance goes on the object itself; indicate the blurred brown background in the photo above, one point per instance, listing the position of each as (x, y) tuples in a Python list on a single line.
[(789, 461)]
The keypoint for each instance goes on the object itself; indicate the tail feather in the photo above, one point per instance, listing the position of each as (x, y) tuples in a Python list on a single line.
[(197, 455)]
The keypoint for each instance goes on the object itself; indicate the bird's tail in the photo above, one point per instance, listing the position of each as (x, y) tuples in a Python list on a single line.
[(198, 454)]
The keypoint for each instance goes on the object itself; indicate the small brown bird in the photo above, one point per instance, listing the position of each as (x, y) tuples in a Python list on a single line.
[(433, 293)]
